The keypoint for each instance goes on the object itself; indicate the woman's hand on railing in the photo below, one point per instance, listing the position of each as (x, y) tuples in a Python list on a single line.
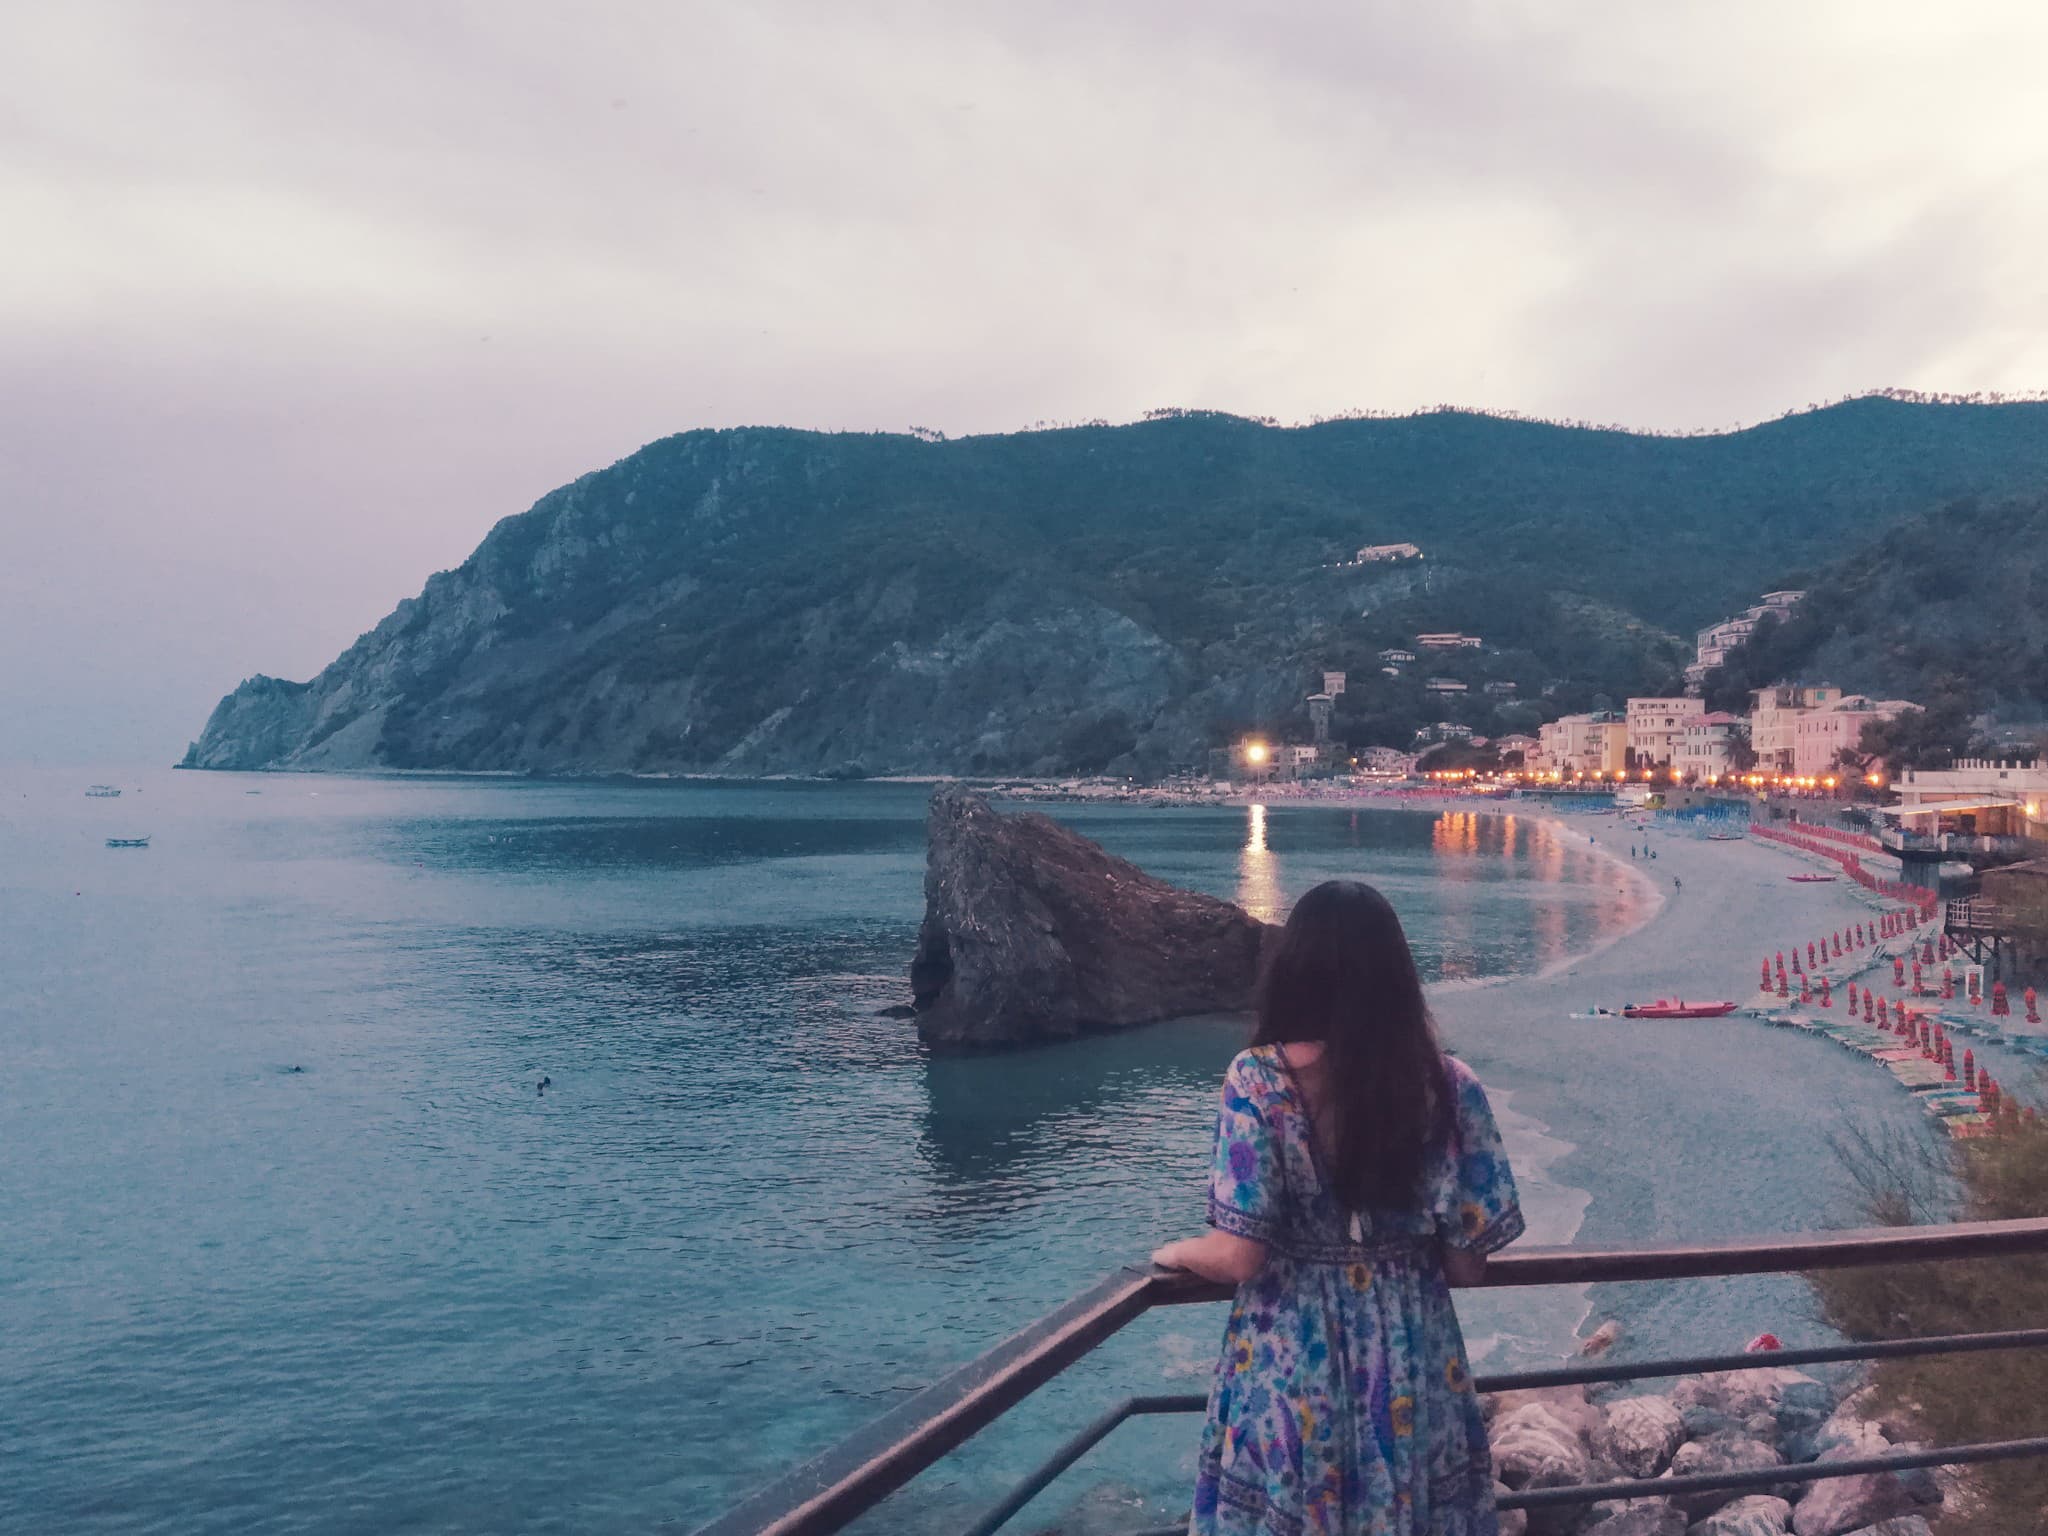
[(1464, 1270), (1220, 1256)]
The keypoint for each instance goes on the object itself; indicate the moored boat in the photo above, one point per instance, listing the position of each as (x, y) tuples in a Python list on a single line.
[(127, 842), (102, 792), (1811, 879), (1677, 1008)]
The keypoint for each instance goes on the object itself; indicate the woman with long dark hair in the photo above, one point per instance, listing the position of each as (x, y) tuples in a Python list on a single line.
[(1358, 1175)]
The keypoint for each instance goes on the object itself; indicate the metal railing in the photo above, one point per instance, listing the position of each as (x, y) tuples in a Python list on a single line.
[(852, 1477)]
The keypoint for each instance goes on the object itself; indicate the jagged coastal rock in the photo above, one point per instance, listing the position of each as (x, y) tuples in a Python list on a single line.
[(1032, 932)]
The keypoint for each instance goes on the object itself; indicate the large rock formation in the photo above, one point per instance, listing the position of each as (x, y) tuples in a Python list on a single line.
[(1032, 932)]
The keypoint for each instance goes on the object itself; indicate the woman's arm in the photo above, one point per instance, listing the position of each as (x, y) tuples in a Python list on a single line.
[(1463, 1268), (1215, 1256)]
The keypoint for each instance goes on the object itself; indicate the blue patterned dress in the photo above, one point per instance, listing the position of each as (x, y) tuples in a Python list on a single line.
[(1343, 1404)]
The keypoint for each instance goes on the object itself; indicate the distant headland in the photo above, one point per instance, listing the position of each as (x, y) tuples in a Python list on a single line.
[(1122, 599)]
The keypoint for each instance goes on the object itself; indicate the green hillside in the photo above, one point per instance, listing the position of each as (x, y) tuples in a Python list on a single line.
[(776, 600)]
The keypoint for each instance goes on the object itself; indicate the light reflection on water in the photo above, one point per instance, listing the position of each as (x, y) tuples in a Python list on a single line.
[(1258, 874), (398, 1286)]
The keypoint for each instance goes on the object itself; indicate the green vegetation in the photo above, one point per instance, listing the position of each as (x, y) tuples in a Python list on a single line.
[(1944, 608), (1112, 597), (1958, 1399)]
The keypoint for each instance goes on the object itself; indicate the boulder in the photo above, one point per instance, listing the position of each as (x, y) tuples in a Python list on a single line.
[(1032, 932), (1904, 1525), (1843, 1505), (1845, 1433), (1722, 1453), (1533, 1447), (1640, 1435), (1756, 1515), (1742, 1393), (1569, 1404), (1638, 1517), (1803, 1408)]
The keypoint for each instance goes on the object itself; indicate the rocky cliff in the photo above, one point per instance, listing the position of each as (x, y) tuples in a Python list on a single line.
[(1101, 598), (1032, 932)]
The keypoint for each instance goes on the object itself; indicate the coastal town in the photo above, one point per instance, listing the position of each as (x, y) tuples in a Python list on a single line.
[(1801, 738)]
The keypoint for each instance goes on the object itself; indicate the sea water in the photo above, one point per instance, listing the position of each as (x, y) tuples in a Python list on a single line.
[(295, 1241)]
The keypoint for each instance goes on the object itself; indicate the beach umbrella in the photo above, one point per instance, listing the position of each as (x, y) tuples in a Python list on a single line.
[(1869, 1013), (1976, 985), (1898, 971), (1970, 1070), (1795, 962), (1825, 1000), (1927, 950), (1809, 955), (1999, 1003), (1916, 978), (1805, 991), (1767, 976), (1849, 987), (2033, 1013), (1838, 945), (1783, 990), (1948, 983), (1948, 1071)]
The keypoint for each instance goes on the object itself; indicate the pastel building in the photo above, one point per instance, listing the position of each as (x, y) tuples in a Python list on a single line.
[(1708, 750), (1774, 717), (1656, 729), (1821, 736), (1586, 744), (1717, 640)]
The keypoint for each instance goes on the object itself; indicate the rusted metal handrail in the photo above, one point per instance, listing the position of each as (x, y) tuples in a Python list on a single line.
[(825, 1493)]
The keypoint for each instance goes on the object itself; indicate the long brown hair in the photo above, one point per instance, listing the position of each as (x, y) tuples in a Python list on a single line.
[(1342, 974)]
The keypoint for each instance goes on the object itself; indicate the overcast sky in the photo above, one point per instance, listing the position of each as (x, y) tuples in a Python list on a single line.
[(296, 299)]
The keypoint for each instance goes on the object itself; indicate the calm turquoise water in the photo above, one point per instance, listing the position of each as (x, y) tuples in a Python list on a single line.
[(292, 1243)]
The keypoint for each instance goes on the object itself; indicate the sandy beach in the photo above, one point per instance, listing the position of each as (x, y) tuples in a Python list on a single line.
[(1743, 1111)]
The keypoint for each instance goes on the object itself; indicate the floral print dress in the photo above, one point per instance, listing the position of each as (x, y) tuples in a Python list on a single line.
[(1343, 1404)]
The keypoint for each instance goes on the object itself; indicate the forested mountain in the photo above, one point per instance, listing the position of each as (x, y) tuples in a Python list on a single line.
[(770, 600), (1945, 605)]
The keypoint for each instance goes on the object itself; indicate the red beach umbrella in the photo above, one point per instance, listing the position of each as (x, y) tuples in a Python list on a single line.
[(2033, 1012), (1970, 1070)]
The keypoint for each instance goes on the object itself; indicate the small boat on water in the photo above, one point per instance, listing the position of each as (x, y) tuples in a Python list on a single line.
[(1675, 1008), (1811, 879), (127, 842), (1724, 837), (102, 792)]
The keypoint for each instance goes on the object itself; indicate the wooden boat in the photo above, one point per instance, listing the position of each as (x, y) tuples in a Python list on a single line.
[(1675, 1008), (1811, 879), (127, 842)]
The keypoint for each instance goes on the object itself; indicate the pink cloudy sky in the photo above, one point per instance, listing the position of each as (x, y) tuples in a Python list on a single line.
[(296, 299)]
